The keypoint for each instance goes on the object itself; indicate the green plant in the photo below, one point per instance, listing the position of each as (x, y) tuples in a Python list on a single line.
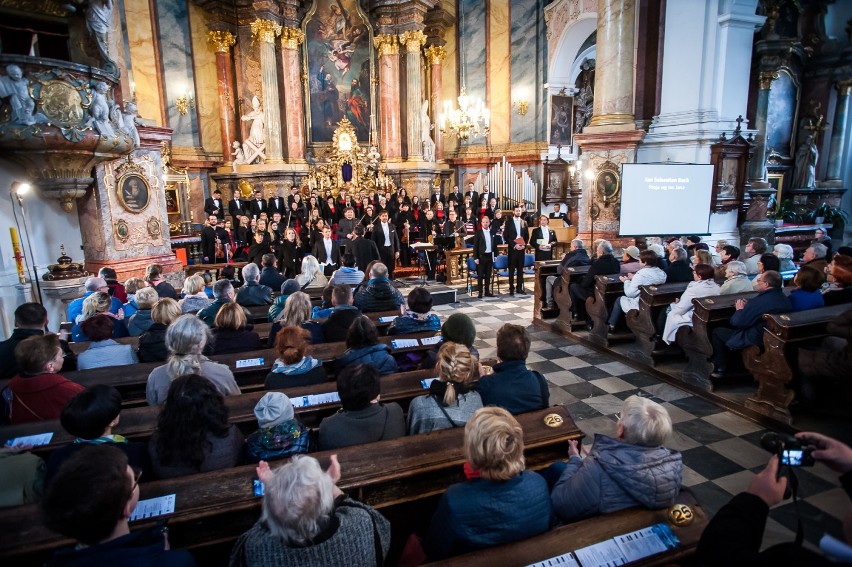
[(785, 210), (830, 214)]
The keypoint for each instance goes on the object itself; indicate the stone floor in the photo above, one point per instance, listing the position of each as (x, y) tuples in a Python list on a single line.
[(721, 450)]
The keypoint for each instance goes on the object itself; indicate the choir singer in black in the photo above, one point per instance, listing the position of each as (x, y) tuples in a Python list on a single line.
[(484, 248)]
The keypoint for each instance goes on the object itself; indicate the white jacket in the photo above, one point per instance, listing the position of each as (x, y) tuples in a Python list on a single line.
[(680, 314), (649, 275)]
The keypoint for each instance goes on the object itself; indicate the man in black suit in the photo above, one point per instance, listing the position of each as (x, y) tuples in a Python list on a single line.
[(387, 241), (558, 214), (455, 196), (605, 264), (327, 251), (474, 196), (258, 205), (237, 208), (209, 234), (213, 205), (543, 239), (276, 205), (437, 197), (364, 250), (484, 247), (517, 235), (453, 226)]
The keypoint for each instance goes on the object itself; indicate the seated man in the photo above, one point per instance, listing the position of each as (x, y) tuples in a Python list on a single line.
[(754, 249), (604, 264), (92, 285), (252, 293), (116, 288), (576, 257), (747, 321), (632, 469), (678, 269), (223, 292), (363, 419), (815, 257), (269, 275), (30, 321), (90, 500), (418, 317), (349, 274), (513, 386), (343, 313), (379, 294)]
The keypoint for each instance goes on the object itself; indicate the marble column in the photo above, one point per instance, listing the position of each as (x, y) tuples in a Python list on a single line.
[(390, 143), (757, 166), (413, 41), (435, 56), (291, 38), (838, 130), (221, 42), (265, 31), (613, 104)]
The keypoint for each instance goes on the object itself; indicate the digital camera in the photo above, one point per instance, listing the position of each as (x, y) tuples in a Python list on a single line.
[(790, 450)]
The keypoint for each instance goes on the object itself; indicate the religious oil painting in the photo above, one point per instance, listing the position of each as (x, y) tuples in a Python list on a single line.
[(172, 200), (727, 186), (133, 192), (607, 185), (338, 59), (560, 120)]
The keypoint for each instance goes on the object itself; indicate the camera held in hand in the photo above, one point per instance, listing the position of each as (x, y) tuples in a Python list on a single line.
[(790, 451)]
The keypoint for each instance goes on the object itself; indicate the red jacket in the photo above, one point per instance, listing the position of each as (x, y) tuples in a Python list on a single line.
[(40, 397)]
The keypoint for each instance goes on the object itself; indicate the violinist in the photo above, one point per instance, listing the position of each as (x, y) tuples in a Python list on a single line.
[(346, 225), (453, 226), (213, 238)]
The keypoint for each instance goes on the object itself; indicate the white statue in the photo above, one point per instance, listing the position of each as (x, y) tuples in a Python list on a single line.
[(426, 138), (128, 126), (237, 155), (15, 86), (99, 111), (254, 148)]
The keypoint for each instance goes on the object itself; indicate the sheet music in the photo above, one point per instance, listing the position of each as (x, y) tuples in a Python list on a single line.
[(315, 399), (154, 507), (34, 440), (249, 362), (646, 542), (404, 343), (566, 560), (431, 340), (388, 319)]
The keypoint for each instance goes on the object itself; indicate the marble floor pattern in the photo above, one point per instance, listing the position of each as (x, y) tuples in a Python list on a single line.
[(721, 450)]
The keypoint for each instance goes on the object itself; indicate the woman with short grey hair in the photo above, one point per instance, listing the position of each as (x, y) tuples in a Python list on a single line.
[(784, 252), (308, 520), (185, 341), (736, 278)]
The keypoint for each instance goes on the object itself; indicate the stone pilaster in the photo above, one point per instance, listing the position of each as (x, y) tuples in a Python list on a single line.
[(265, 32), (757, 167), (435, 56), (413, 41), (837, 152), (389, 127), (291, 38), (221, 42), (613, 106)]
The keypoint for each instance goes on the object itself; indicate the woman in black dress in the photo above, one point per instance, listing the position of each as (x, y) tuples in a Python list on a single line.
[(288, 254)]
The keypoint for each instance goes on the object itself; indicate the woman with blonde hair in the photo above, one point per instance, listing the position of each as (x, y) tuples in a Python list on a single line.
[(195, 298), (501, 502), (185, 341), (154, 278), (141, 320), (701, 256), (312, 276), (152, 343), (451, 400), (230, 333), (296, 313), (98, 304)]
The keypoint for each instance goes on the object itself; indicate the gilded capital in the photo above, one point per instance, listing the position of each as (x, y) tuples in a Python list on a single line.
[(291, 38), (844, 87), (435, 54), (265, 30), (412, 40), (221, 41), (765, 79), (386, 44)]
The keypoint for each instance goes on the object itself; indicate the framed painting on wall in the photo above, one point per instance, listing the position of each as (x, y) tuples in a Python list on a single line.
[(561, 112)]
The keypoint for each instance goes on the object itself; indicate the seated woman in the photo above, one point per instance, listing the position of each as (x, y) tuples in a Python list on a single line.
[(307, 520), (451, 400), (152, 343), (649, 274), (96, 304), (230, 334), (680, 312), (103, 351), (766, 263), (312, 276), (363, 347), (839, 290), (630, 260), (193, 434), (154, 278), (807, 294), (418, 317), (296, 313), (458, 328), (633, 469), (195, 298), (501, 502), (288, 288), (736, 278), (280, 434), (185, 341), (784, 253), (38, 392), (140, 321), (294, 365), (131, 286)]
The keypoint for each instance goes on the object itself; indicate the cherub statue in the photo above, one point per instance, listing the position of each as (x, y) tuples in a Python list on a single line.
[(128, 126), (15, 87), (99, 110)]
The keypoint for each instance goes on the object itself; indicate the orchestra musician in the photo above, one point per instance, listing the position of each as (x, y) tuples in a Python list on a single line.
[(210, 235), (237, 207), (346, 225), (214, 206), (387, 241), (472, 195)]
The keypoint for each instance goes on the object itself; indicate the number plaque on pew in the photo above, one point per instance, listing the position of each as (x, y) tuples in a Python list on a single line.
[(249, 362)]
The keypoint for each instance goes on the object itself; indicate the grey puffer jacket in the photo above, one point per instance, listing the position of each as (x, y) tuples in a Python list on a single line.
[(614, 476)]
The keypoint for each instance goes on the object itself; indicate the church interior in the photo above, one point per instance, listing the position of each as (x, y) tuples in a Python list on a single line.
[(182, 133)]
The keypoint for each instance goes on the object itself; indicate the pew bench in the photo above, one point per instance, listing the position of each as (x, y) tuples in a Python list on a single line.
[(542, 271), (643, 321), (608, 289), (563, 299), (216, 507)]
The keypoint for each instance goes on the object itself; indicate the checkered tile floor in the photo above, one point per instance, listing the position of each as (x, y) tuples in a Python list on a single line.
[(721, 450)]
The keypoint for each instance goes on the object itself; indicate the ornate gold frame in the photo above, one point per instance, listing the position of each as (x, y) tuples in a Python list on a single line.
[(607, 199), (132, 170)]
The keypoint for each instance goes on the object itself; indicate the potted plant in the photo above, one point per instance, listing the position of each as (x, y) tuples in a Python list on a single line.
[(834, 216), (781, 212)]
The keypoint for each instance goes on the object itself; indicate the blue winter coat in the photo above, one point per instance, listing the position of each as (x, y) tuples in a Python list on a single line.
[(514, 387), (407, 324), (802, 300), (139, 323), (377, 355), (748, 321)]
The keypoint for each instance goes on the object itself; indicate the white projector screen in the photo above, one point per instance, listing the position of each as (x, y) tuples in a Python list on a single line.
[(665, 199)]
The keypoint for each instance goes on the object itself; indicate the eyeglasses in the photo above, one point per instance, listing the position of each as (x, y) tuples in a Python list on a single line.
[(137, 474)]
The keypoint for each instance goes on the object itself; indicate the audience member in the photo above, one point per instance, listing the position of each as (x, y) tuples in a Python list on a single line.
[(728, 254), (343, 313), (784, 252), (30, 321), (692, 243), (38, 392), (512, 385), (736, 278), (822, 237), (154, 278), (362, 419), (280, 434), (90, 500), (501, 502), (307, 520), (755, 247), (94, 304), (577, 256), (605, 264), (363, 347), (663, 256), (632, 469), (185, 341), (747, 322), (288, 288), (451, 400), (701, 256), (630, 261), (325, 307), (815, 256), (116, 289), (768, 262), (92, 285), (132, 286), (229, 273), (458, 328), (649, 274), (294, 365), (678, 269), (223, 292), (269, 275), (152, 343), (839, 290), (807, 294), (252, 293), (379, 293), (312, 276), (349, 274), (21, 476), (195, 295), (717, 251), (141, 320), (418, 317), (680, 312), (231, 333), (90, 417), (193, 434), (103, 351), (297, 313)]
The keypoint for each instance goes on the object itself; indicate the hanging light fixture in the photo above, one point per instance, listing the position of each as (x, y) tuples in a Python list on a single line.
[(470, 117)]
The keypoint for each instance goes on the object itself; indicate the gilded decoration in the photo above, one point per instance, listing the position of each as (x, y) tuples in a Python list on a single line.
[(221, 41), (435, 54), (265, 30), (122, 230), (291, 38), (412, 40), (765, 79), (154, 227), (844, 87), (44, 7), (347, 165), (386, 44)]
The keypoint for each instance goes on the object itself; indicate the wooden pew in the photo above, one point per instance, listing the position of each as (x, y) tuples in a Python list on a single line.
[(542, 271), (774, 365), (590, 531), (642, 321), (563, 298), (607, 291), (217, 507), (138, 424)]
